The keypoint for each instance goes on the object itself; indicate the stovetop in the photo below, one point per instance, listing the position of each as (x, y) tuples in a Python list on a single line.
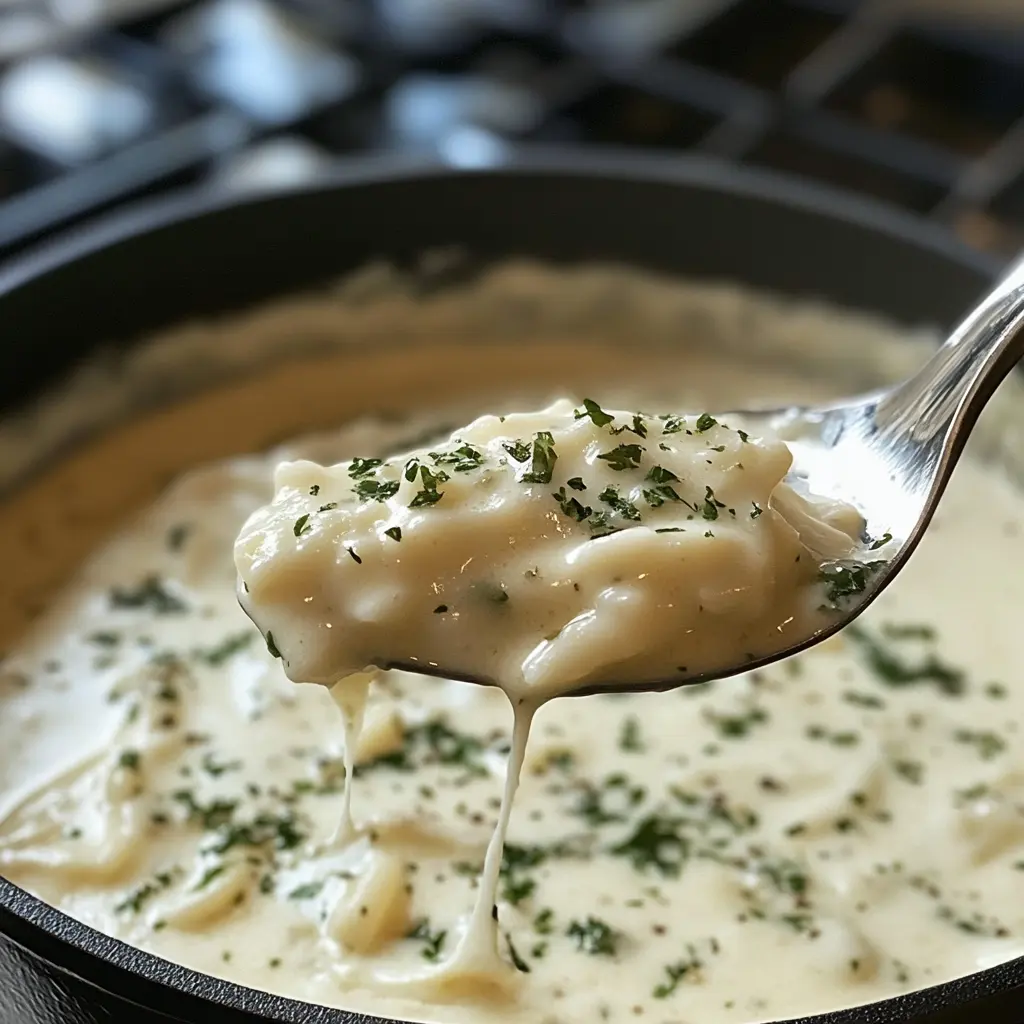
[(102, 101)]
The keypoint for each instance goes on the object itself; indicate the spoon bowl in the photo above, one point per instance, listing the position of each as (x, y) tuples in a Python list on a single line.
[(889, 454)]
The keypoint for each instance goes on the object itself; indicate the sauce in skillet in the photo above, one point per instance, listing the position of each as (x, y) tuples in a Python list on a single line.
[(825, 832)]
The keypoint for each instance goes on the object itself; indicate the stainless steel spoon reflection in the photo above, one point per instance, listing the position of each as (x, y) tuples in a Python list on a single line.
[(890, 454)]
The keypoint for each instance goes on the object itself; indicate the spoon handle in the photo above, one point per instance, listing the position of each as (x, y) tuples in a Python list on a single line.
[(940, 403)]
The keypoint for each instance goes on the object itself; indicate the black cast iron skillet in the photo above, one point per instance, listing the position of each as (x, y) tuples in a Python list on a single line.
[(207, 253)]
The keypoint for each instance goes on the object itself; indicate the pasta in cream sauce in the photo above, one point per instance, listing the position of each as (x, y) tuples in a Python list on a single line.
[(825, 832)]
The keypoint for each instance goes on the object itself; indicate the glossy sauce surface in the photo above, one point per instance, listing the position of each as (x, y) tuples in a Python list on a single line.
[(832, 830)]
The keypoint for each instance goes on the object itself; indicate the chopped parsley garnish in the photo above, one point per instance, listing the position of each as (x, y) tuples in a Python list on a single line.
[(177, 535), (314, 490), (576, 483), (542, 462), (756, 510), (359, 468), (394, 532), (433, 942), (429, 494), (461, 460), (226, 649), (306, 892), (844, 579), (673, 425), (543, 923), (637, 427), (594, 411), (893, 670), (677, 972), (517, 961), (705, 421), (739, 725), (611, 801), (624, 456), (104, 639), (655, 844), (209, 875), (570, 506), (880, 542), (129, 759), (136, 899), (519, 451), (441, 609), (271, 646), (594, 937), (710, 506), (625, 508), (301, 525), (354, 555), (376, 490), (912, 771), (987, 743), (151, 593), (629, 735), (663, 490)]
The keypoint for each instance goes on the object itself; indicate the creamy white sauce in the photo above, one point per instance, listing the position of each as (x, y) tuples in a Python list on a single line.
[(823, 833), (546, 551)]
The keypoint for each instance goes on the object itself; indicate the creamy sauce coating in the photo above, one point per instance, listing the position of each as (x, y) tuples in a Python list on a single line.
[(544, 551), (821, 833)]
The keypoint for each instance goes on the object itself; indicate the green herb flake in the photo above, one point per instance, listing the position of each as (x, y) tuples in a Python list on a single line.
[(226, 649), (988, 744), (623, 457), (517, 961), (911, 771), (756, 510), (705, 421), (433, 942), (543, 459), (625, 508), (369, 489), (209, 875), (306, 892), (655, 844), (463, 459), (590, 408), (892, 669), (394, 532), (150, 594), (301, 525), (630, 739), (710, 505), (428, 494), (576, 483), (129, 759), (594, 937), (571, 507), (177, 535), (271, 646), (677, 973), (359, 468), (353, 555), (845, 579)]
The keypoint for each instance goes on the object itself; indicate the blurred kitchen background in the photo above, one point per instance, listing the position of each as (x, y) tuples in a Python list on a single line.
[(917, 102)]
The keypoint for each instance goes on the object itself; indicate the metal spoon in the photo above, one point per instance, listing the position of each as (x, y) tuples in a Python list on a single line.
[(890, 454)]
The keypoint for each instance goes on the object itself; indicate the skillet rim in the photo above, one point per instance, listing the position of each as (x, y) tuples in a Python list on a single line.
[(145, 980)]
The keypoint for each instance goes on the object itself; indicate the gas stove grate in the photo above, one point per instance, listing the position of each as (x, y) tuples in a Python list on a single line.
[(105, 101)]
